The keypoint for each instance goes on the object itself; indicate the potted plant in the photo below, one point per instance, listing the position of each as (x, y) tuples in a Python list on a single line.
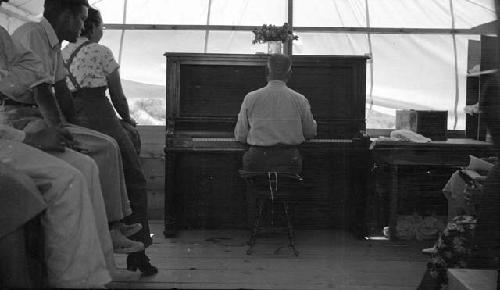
[(274, 36)]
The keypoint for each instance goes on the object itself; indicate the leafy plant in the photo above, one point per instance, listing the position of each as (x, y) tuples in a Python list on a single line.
[(273, 33)]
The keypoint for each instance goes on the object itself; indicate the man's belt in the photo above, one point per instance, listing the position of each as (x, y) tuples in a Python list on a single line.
[(277, 146), (10, 102)]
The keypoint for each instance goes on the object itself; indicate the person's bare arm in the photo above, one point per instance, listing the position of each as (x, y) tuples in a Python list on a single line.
[(65, 100), (242, 126), (47, 104), (118, 98), (309, 125)]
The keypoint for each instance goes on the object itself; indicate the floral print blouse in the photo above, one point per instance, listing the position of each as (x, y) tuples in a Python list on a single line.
[(453, 248), (90, 66)]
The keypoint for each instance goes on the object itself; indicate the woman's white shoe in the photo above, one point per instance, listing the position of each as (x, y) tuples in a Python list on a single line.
[(121, 275), (122, 245), (129, 230)]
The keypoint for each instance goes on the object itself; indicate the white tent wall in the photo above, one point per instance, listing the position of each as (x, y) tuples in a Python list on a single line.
[(414, 68)]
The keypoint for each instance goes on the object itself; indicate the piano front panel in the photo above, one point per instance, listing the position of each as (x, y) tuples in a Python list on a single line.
[(327, 90), (210, 193), (217, 91)]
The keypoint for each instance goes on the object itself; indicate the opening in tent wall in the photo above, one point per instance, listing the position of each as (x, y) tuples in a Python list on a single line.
[(411, 69)]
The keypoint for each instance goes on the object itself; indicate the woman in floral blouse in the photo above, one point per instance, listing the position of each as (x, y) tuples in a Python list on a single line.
[(92, 70)]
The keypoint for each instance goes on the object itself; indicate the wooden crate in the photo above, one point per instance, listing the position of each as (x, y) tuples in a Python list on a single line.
[(431, 124)]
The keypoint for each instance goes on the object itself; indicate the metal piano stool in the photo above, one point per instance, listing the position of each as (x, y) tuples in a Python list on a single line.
[(267, 190)]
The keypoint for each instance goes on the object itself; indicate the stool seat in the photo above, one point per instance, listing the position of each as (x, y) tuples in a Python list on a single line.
[(270, 187)]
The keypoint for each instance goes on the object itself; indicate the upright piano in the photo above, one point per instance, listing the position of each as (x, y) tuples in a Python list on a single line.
[(204, 94)]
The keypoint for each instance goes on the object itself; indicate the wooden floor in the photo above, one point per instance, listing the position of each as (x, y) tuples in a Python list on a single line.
[(327, 260)]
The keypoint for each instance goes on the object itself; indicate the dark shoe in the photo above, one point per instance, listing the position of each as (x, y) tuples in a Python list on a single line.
[(140, 261)]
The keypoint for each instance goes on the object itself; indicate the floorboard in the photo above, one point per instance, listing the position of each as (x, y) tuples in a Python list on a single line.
[(199, 259)]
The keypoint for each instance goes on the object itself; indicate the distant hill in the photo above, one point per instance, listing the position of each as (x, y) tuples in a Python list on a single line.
[(152, 112), (133, 90), (397, 104), (378, 120)]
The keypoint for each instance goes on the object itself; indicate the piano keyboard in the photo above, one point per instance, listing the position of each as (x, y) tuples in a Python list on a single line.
[(308, 141), (218, 144)]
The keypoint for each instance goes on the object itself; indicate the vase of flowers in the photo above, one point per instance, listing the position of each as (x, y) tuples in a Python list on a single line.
[(274, 46), (274, 36)]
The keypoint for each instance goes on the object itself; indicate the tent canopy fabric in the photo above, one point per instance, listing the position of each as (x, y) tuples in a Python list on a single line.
[(413, 65)]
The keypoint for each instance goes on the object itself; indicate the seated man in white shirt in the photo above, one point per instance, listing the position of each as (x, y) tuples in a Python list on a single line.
[(274, 120)]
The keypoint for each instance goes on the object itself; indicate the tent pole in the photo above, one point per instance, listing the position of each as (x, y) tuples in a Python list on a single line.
[(207, 30), (370, 61), (457, 93), (123, 32), (288, 46)]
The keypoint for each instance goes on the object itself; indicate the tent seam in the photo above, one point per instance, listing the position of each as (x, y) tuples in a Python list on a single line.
[(123, 32), (207, 30), (370, 48), (457, 95)]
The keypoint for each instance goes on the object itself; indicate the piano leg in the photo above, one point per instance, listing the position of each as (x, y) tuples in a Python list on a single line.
[(171, 227), (170, 230)]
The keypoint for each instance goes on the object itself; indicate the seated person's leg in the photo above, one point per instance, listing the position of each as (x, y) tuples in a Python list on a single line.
[(14, 269), (106, 154), (87, 166), (20, 201), (255, 159), (73, 250), (487, 236), (287, 160), (272, 159)]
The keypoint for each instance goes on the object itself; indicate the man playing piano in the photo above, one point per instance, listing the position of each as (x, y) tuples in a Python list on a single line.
[(273, 121)]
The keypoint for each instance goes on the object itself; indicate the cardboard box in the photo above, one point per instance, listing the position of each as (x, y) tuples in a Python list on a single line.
[(431, 124)]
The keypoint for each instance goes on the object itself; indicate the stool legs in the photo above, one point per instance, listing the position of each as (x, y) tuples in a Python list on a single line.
[(258, 220), (291, 234), (255, 230)]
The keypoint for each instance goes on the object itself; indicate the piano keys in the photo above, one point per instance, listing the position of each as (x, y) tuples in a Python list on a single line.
[(230, 144), (204, 93)]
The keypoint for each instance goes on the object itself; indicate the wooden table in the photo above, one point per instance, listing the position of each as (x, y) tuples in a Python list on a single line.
[(451, 153)]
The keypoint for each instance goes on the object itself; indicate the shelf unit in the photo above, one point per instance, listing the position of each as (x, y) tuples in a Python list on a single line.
[(484, 54)]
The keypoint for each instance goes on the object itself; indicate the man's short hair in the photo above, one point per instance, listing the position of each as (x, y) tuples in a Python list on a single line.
[(279, 64), (56, 7)]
